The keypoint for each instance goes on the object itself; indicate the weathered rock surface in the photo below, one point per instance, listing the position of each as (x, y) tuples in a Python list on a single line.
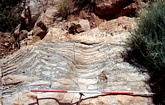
[(81, 25), (129, 9), (7, 44), (41, 25), (103, 32), (38, 16), (87, 61), (115, 7), (117, 26), (33, 9)]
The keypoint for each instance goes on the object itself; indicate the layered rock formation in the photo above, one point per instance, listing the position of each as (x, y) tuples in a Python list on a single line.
[(86, 61), (57, 59)]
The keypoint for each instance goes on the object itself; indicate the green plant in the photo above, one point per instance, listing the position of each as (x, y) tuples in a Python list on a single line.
[(148, 38), (10, 13), (65, 7)]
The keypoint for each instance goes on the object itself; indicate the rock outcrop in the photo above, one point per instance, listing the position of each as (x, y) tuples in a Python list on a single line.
[(115, 7), (81, 25), (128, 9), (38, 16), (33, 9), (7, 44), (41, 26), (87, 61), (35, 24)]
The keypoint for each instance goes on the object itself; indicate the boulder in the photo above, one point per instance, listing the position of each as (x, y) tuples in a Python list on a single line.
[(39, 26), (22, 35), (81, 25), (110, 7), (43, 23), (129, 9), (85, 26), (19, 36)]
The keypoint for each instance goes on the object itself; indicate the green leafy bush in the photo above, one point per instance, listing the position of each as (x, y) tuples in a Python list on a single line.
[(10, 13), (147, 40)]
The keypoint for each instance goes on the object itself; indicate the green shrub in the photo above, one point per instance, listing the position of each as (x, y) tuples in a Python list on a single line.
[(10, 14), (65, 7), (148, 38)]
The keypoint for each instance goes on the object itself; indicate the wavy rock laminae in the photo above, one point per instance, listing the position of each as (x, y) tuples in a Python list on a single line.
[(71, 66)]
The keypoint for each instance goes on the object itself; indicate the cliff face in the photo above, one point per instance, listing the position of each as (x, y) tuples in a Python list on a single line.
[(88, 60)]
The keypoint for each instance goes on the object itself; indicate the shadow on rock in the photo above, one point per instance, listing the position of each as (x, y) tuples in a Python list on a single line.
[(156, 80)]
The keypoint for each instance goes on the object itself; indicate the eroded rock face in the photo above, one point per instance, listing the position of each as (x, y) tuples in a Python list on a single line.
[(38, 16), (117, 26), (7, 44), (41, 25), (115, 7), (129, 9), (81, 25), (103, 32), (87, 61), (33, 9)]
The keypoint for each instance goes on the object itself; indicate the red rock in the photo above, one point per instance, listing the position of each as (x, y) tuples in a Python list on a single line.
[(110, 7), (129, 9)]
